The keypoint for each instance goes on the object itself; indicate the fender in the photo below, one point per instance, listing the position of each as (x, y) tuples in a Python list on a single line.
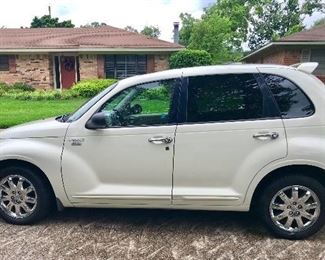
[(44, 153), (271, 168)]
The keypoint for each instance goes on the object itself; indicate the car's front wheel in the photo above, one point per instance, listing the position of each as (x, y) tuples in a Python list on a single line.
[(293, 206), (24, 196)]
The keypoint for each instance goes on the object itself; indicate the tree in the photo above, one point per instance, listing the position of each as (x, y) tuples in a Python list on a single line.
[(272, 19), (151, 31), (130, 29), (46, 21), (93, 25), (187, 21), (319, 22), (214, 35)]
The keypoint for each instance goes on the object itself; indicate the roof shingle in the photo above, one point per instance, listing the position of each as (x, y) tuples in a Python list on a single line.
[(312, 35), (78, 38)]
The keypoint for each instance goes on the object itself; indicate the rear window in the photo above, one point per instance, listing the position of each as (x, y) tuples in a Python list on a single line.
[(291, 100)]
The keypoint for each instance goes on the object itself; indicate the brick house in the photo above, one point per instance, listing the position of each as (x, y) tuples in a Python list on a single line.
[(58, 57), (300, 47)]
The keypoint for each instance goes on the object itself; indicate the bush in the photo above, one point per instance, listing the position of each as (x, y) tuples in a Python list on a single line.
[(16, 87), (190, 58), (22, 86), (89, 88)]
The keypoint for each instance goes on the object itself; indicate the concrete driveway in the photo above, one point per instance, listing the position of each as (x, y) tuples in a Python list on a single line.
[(151, 234)]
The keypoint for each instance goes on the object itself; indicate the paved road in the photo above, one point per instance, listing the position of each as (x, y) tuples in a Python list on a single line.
[(151, 234)]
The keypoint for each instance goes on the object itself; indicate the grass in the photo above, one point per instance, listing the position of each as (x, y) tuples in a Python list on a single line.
[(14, 112)]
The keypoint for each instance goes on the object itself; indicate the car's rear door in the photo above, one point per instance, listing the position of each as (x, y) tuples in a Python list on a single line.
[(231, 130)]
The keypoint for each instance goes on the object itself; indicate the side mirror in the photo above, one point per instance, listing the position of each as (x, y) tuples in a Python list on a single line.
[(97, 121)]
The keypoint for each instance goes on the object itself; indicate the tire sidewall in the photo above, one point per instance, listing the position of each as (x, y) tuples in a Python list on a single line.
[(278, 185), (43, 195)]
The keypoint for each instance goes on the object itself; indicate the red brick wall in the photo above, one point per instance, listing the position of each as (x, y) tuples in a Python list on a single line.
[(34, 69)]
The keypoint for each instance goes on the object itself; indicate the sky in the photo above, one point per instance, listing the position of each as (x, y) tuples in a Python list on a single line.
[(119, 13)]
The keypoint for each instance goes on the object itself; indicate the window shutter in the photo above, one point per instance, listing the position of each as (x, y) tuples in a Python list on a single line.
[(305, 55), (12, 64), (150, 64), (100, 66)]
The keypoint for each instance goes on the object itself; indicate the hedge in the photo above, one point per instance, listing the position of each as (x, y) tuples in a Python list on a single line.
[(190, 58)]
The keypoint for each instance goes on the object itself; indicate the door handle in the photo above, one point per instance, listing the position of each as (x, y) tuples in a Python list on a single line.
[(265, 136), (160, 140)]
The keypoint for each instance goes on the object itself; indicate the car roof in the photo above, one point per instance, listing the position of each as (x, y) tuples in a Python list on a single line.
[(202, 70)]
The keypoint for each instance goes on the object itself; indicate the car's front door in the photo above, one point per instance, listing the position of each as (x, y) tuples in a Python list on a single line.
[(131, 161), (232, 130)]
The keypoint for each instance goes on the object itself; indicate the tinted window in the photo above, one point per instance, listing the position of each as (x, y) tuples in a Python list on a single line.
[(141, 105), (291, 100), (224, 97)]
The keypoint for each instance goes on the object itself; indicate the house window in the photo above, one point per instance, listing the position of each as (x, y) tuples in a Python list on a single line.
[(318, 55), (123, 66), (4, 63)]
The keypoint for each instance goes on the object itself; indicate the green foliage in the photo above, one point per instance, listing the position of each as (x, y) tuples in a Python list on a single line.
[(151, 31), (46, 21), (89, 88), (83, 89), (130, 29), (187, 21), (16, 87), (93, 25), (190, 58), (272, 19)]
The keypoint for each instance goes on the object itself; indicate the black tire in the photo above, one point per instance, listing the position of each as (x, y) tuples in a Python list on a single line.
[(277, 185), (44, 195)]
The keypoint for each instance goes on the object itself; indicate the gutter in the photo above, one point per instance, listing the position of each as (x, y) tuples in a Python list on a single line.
[(90, 50), (281, 44)]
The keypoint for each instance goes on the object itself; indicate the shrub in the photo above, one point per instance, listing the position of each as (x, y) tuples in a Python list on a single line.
[(22, 86), (190, 58), (89, 88)]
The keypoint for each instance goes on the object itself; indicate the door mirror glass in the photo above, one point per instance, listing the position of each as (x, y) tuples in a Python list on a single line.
[(97, 121)]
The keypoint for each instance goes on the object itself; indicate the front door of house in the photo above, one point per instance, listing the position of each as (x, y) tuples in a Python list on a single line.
[(68, 71)]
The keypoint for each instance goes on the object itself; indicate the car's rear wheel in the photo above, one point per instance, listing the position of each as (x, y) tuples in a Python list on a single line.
[(24, 196), (293, 206)]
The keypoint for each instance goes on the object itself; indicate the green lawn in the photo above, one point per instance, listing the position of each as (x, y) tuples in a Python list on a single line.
[(14, 112)]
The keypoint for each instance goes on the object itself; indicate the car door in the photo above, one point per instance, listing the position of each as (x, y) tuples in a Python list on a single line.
[(231, 131), (131, 161)]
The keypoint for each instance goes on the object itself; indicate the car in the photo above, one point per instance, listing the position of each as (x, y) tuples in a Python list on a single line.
[(241, 137)]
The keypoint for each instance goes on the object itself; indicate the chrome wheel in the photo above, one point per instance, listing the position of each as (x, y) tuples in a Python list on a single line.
[(18, 196), (294, 208)]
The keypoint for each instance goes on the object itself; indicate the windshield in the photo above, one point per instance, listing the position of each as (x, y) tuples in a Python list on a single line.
[(86, 106)]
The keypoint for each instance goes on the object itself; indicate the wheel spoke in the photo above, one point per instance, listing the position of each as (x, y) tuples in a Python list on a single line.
[(30, 200), (295, 194), (284, 197), (307, 215), (5, 188), (278, 206), (299, 222), (288, 222), (29, 189), (305, 197), (26, 208), (280, 216), (5, 198), (20, 185), (11, 184), (311, 206)]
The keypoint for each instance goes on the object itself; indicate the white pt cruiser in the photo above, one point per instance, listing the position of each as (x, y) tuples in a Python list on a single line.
[(234, 137)]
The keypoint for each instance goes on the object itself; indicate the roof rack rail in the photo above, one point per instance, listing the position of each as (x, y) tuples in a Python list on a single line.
[(308, 67)]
